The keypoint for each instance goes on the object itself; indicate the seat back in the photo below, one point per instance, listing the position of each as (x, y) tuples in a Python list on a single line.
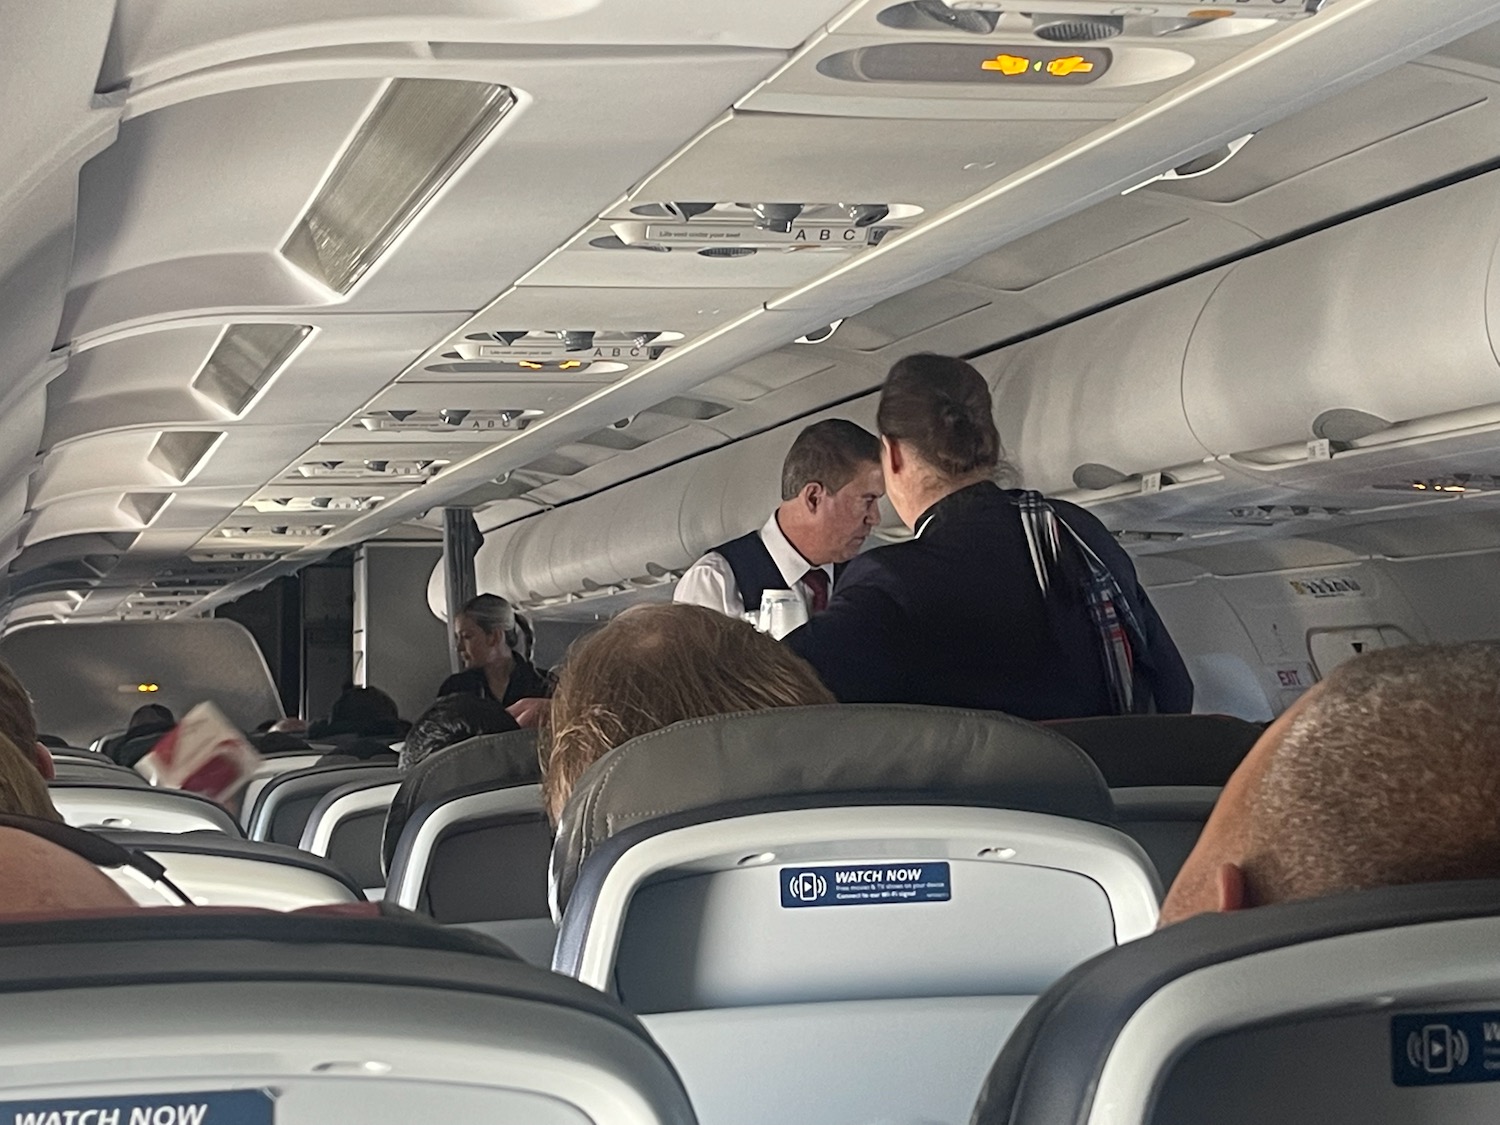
[(132, 807), (843, 897), (1142, 750), (347, 824), (213, 869), (273, 765), (74, 753), (488, 761), (100, 770), (250, 1019), (1166, 820), (479, 858), (1381, 1006), (1165, 772), (286, 801)]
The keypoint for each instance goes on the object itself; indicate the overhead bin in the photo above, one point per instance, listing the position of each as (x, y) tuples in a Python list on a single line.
[(1394, 315), (1100, 401), (1373, 335)]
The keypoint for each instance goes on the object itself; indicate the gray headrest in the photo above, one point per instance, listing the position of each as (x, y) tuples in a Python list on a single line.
[(492, 760), (835, 755)]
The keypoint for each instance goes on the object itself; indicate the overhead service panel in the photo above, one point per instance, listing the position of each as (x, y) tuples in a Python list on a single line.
[(1016, 64), (710, 228), (1190, 9)]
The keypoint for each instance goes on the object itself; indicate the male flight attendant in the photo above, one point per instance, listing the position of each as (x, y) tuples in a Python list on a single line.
[(831, 487)]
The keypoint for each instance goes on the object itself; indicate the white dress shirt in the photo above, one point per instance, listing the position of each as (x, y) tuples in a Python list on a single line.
[(709, 581)]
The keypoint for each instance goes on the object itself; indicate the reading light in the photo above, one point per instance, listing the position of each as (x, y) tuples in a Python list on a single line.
[(416, 137), (687, 211), (776, 216), (508, 338), (574, 341), (865, 214), (974, 22)]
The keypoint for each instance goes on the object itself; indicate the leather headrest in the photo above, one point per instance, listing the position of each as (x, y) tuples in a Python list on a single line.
[(792, 757)]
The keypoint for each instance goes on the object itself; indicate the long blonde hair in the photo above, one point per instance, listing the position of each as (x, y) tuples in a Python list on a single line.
[(657, 665)]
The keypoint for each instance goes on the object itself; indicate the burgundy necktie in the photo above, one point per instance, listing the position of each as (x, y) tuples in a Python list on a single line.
[(816, 580)]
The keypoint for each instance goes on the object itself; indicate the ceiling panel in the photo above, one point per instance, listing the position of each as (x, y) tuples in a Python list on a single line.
[(776, 157), (156, 39)]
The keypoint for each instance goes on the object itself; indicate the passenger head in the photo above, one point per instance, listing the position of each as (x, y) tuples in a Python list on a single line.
[(364, 711), (23, 792), (151, 715), (40, 877), (451, 720), (18, 722), (831, 487), (1386, 773), (487, 631), (657, 665), (937, 431)]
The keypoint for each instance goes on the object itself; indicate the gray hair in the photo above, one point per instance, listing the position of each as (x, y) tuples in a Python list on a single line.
[(1391, 775)]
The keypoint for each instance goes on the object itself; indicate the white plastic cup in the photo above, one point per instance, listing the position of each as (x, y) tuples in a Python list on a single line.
[(781, 611)]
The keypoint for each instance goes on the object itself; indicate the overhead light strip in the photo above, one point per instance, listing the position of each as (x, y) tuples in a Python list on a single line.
[(419, 133), (245, 360)]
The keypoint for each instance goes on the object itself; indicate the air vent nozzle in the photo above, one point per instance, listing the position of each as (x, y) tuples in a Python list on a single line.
[(1076, 29)]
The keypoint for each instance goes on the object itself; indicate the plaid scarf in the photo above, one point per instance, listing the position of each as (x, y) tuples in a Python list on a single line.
[(1114, 620)]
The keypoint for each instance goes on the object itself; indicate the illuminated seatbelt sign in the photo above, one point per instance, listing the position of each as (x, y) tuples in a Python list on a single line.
[(996, 64)]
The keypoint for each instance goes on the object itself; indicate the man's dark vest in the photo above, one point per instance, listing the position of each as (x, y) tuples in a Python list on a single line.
[(755, 571)]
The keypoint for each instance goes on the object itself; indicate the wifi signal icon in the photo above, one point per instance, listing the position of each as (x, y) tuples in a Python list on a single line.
[(1437, 1048)]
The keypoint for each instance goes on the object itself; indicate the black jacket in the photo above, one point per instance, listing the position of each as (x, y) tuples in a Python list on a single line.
[(954, 618), (526, 682)]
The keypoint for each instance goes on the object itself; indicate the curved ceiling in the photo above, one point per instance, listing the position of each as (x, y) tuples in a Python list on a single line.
[(279, 278)]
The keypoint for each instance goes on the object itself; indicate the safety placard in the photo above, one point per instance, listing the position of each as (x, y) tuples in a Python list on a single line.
[(1444, 1048), (865, 885), (220, 1107)]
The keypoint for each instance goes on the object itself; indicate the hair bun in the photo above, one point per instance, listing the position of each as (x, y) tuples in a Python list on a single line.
[(953, 415)]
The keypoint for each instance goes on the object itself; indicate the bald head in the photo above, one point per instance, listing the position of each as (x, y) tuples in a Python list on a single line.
[(1387, 773), (39, 877)]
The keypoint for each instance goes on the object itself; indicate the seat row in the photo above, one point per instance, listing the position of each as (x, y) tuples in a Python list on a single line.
[(972, 858), (862, 908)]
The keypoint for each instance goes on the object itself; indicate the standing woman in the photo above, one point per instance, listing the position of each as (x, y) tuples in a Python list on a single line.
[(1003, 600), (490, 643)]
